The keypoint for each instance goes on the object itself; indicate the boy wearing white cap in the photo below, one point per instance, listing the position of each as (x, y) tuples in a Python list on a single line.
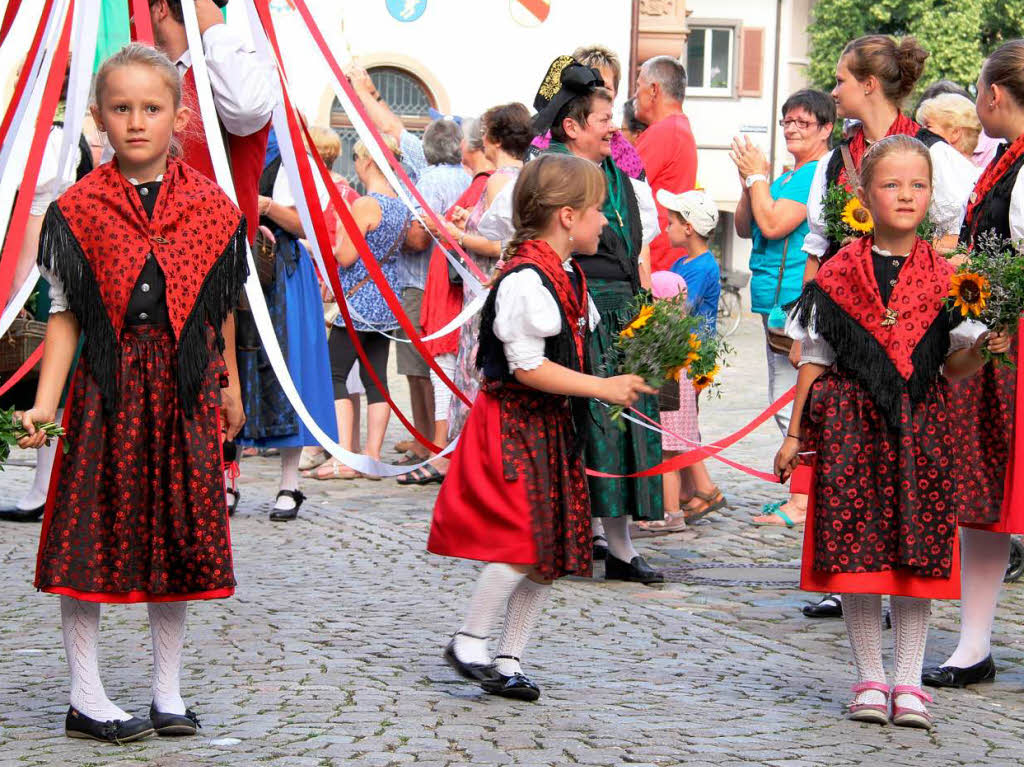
[(692, 217)]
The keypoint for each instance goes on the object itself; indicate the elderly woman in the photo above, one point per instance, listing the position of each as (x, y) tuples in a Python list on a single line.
[(774, 216), (953, 117)]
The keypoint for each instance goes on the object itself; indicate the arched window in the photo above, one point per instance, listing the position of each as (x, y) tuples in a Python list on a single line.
[(408, 98)]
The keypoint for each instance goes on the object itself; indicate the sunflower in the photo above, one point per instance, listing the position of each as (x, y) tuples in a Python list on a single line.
[(969, 292), (704, 380), (694, 342), (857, 217), (676, 373), (641, 320)]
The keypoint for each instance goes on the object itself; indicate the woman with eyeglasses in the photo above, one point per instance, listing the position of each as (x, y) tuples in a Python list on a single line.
[(774, 215)]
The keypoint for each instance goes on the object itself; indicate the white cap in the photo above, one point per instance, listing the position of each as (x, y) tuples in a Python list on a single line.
[(694, 206)]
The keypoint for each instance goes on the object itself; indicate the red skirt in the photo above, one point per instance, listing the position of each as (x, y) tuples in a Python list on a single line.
[(136, 510), (515, 491), (442, 303), (881, 516), (990, 455)]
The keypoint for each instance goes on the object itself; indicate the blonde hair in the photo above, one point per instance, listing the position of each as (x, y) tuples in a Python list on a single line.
[(951, 110), (597, 56), (390, 142), (897, 65), (550, 182), (326, 142), (888, 146)]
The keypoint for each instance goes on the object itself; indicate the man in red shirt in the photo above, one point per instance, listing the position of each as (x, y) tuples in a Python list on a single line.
[(667, 146)]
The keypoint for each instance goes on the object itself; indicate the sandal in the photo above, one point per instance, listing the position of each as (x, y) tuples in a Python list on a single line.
[(874, 713), (311, 459), (335, 470), (424, 475), (409, 459), (910, 717), (772, 512), (673, 522), (712, 501)]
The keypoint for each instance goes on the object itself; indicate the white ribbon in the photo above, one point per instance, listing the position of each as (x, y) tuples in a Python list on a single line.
[(254, 291)]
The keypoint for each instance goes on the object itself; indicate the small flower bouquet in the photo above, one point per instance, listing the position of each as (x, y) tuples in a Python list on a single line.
[(664, 342), (846, 217), (11, 431), (989, 286)]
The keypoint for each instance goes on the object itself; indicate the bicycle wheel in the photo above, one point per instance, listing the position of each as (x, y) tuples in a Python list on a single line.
[(730, 312)]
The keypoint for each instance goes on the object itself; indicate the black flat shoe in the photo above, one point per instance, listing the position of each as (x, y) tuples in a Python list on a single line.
[(78, 725), (236, 496), (285, 515), (600, 544), (474, 672), (635, 570), (828, 607), (951, 676), (518, 686), (22, 515), (174, 724)]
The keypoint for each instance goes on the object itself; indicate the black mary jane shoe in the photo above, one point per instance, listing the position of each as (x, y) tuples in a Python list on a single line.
[(600, 544), (829, 607), (474, 672), (174, 724), (635, 570), (285, 515), (517, 686), (21, 515), (951, 676), (78, 725)]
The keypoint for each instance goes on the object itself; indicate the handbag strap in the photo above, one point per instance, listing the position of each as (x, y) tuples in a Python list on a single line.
[(782, 268)]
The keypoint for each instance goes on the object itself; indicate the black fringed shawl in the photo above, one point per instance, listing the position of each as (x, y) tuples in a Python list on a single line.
[(889, 360), (95, 239)]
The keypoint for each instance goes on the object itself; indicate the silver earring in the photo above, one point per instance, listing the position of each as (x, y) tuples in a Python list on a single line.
[(570, 239)]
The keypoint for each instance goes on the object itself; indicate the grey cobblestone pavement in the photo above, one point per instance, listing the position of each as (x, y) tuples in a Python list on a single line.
[(330, 652)]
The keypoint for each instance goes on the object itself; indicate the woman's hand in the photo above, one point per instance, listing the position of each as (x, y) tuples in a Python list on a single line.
[(231, 411), (997, 342), (326, 294), (29, 419), (749, 159), (624, 390), (787, 459), (459, 217), (794, 354)]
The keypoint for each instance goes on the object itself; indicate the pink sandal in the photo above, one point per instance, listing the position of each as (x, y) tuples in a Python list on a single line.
[(910, 717), (874, 713)]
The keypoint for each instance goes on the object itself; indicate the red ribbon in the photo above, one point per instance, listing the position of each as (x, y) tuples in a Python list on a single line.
[(142, 24), (691, 457), (22, 207), (307, 18), (21, 372), (9, 14), (26, 69)]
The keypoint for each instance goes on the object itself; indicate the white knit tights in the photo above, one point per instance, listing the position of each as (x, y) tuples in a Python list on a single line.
[(910, 632), (983, 557), (620, 545), (493, 587), (80, 622), (520, 617), (863, 616), (167, 626)]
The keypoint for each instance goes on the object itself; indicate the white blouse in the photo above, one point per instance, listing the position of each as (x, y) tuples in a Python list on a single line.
[(525, 315), (953, 177)]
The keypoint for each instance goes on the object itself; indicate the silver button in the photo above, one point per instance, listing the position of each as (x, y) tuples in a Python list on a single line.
[(143, 316), (892, 282), (895, 262), (143, 191), (144, 287)]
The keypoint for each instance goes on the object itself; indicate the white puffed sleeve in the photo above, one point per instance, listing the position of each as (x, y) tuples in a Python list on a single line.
[(816, 243), (648, 211), (496, 223), (525, 313), (58, 299), (1017, 212), (953, 177), (814, 349), (964, 335)]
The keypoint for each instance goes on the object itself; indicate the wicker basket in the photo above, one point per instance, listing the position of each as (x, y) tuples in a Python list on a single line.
[(19, 343)]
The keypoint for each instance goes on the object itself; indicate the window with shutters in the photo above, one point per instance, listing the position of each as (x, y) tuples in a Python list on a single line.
[(710, 58)]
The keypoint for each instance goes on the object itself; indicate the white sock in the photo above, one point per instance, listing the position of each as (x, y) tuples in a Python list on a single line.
[(45, 456), (616, 530), (983, 560), (290, 457), (493, 587), (167, 627), (597, 526), (910, 632), (80, 622), (863, 616), (520, 617)]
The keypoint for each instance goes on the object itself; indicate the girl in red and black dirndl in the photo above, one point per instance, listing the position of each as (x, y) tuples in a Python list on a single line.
[(146, 258), (516, 492), (872, 410), (989, 462)]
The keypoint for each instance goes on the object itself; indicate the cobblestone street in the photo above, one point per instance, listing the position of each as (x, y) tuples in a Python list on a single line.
[(330, 651)]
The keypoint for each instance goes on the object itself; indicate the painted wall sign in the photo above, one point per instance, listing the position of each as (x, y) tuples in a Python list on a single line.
[(529, 13), (406, 10)]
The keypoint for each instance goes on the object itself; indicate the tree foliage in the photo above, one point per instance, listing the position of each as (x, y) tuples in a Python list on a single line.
[(957, 33)]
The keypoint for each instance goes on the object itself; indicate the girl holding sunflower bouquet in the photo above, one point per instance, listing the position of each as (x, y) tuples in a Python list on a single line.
[(871, 406), (874, 76)]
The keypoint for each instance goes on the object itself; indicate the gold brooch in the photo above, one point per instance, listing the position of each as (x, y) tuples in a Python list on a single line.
[(891, 315)]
